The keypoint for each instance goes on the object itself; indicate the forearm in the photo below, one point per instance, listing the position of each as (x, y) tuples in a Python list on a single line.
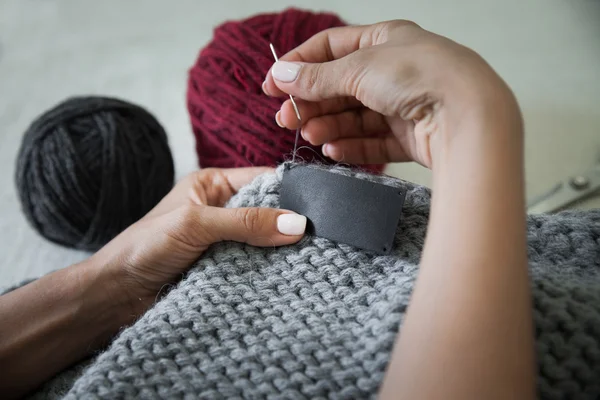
[(468, 332), (54, 322)]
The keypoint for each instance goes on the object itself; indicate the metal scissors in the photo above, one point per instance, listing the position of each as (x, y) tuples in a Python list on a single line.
[(567, 192)]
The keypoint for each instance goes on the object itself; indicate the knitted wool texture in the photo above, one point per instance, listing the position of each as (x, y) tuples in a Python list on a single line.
[(318, 319), (232, 119)]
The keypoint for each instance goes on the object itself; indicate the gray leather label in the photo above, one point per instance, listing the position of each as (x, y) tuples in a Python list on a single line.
[(345, 209)]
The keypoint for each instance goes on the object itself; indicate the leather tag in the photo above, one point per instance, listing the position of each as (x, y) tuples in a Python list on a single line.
[(345, 209)]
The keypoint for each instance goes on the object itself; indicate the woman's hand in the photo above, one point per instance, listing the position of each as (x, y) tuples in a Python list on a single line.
[(62, 317), (387, 92), (394, 92), (156, 250)]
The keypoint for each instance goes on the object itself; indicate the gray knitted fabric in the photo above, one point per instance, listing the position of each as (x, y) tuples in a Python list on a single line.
[(318, 319)]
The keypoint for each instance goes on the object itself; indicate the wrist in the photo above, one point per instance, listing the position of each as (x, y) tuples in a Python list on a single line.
[(54, 322), (482, 118), (102, 295), (128, 296)]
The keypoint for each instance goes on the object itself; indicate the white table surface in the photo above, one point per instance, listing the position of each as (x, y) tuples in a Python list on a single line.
[(547, 50)]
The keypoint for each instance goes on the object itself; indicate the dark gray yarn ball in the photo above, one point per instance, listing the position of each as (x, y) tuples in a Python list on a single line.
[(90, 167)]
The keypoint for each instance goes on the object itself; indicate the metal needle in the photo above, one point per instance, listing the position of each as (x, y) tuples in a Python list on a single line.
[(291, 98)]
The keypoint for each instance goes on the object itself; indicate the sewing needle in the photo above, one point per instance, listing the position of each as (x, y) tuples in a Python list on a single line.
[(293, 105)]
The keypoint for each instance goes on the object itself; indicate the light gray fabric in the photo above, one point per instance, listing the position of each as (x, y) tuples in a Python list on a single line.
[(59, 386), (318, 319)]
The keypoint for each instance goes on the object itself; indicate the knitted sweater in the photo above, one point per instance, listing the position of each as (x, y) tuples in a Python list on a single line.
[(318, 319)]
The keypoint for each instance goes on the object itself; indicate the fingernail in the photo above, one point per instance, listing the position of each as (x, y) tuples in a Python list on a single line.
[(291, 224), (264, 88), (285, 71), (278, 119), (325, 150)]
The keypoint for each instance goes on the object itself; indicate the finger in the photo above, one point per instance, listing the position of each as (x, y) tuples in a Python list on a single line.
[(327, 45), (255, 226), (331, 44), (366, 151), (215, 186), (337, 43), (211, 186), (318, 81), (287, 117), (239, 177), (350, 124)]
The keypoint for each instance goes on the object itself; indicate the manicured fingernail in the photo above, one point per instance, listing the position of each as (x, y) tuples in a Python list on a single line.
[(264, 88), (278, 119), (325, 150), (291, 224), (302, 134), (285, 71)]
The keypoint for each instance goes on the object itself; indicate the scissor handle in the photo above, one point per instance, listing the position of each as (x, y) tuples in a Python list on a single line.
[(567, 192)]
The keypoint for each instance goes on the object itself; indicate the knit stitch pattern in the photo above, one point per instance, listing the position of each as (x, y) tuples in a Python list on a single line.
[(318, 319)]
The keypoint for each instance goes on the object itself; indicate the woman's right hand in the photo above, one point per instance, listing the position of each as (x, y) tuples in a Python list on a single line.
[(387, 92), (395, 92)]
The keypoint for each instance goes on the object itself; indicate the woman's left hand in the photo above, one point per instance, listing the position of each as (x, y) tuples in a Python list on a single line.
[(62, 317), (157, 249)]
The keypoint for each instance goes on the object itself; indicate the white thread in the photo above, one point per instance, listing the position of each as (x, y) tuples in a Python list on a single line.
[(295, 109)]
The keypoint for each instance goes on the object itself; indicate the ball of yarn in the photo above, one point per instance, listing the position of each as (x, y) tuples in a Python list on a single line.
[(90, 167), (232, 119)]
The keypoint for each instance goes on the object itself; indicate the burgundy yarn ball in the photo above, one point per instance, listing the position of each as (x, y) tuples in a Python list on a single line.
[(232, 119)]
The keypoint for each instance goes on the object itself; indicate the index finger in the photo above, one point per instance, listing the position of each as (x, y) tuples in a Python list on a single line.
[(210, 186), (239, 177), (215, 186), (327, 45)]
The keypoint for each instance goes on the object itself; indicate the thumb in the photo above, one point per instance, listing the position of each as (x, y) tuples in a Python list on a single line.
[(315, 82), (255, 226)]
